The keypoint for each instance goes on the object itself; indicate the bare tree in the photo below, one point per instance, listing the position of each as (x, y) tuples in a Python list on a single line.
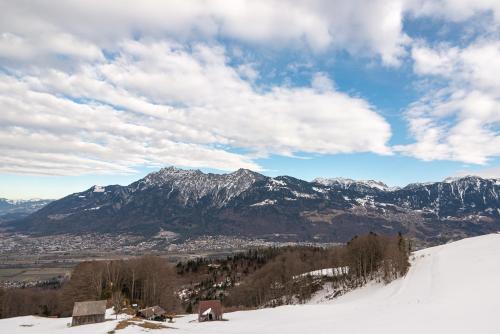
[(117, 300)]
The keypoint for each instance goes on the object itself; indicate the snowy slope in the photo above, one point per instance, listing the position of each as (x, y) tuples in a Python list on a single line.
[(452, 288)]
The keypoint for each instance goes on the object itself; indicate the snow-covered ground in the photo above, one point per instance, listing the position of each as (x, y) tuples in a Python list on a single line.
[(454, 288)]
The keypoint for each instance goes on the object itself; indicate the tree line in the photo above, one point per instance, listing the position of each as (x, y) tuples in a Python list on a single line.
[(281, 280), (148, 280)]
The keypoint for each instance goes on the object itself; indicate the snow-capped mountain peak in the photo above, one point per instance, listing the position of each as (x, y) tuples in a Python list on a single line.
[(99, 189), (194, 184), (466, 178), (346, 183)]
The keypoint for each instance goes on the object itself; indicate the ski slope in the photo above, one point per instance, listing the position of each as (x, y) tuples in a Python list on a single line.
[(453, 288)]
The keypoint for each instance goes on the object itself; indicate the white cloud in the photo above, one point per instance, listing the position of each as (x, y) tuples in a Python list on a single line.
[(248, 71), (462, 120), (454, 10), (361, 27), (33, 49), (44, 133), (322, 82), (439, 61), (165, 103)]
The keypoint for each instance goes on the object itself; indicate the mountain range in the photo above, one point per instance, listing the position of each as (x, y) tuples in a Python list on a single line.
[(17, 209), (245, 203)]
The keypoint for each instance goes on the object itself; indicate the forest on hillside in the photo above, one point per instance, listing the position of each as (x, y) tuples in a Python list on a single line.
[(260, 277)]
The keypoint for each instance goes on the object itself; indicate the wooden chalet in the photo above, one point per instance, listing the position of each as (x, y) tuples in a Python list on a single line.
[(89, 312)]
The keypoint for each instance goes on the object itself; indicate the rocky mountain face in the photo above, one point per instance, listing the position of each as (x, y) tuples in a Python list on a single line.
[(16, 209), (245, 203)]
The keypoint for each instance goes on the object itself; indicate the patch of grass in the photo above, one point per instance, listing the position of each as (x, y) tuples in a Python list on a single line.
[(151, 325), (29, 274), (123, 324), (138, 322)]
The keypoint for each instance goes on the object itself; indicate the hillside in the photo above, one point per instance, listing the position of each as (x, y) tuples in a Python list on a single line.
[(245, 203), (451, 288)]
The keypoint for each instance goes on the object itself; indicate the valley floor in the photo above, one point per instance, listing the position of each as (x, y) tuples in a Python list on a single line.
[(452, 288)]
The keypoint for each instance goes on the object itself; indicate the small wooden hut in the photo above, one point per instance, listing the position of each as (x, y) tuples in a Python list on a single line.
[(209, 310), (153, 313), (89, 312)]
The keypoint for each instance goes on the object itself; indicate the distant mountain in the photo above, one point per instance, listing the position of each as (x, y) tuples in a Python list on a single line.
[(367, 186), (246, 203), (16, 209)]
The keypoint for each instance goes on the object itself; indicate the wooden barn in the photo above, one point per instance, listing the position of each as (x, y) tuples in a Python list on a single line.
[(209, 310), (153, 313), (89, 312)]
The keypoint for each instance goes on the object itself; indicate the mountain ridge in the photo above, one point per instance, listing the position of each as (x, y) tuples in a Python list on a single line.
[(246, 203)]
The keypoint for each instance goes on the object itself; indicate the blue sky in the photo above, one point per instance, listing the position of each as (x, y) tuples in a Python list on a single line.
[(400, 91)]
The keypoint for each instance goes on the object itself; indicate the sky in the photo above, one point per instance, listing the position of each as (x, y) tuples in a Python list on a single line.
[(104, 92)]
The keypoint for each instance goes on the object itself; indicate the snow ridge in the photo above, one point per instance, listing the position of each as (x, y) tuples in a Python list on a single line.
[(346, 183)]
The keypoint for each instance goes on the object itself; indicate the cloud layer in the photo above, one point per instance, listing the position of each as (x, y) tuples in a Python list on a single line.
[(107, 86), (375, 27), (164, 103)]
